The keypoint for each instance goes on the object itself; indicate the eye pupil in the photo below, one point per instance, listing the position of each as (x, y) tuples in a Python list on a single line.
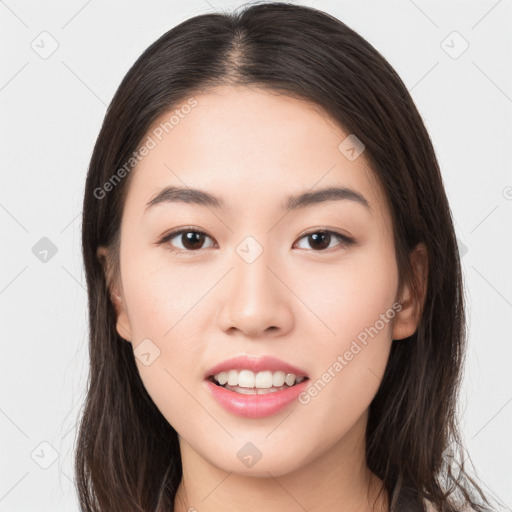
[(192, 237), (320, 236)]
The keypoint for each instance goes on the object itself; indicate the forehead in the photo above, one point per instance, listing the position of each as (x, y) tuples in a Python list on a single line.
[(248, 145)]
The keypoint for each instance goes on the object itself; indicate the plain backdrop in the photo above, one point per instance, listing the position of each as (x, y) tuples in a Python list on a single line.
[(60, 65)]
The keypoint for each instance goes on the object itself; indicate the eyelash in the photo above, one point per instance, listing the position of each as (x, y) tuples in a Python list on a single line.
[(345, 240)]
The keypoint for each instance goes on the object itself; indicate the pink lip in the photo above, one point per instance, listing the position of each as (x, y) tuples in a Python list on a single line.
[(256, 365), (255, 406)]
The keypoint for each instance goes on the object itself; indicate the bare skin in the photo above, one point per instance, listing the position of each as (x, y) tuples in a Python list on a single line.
[(200, 306)]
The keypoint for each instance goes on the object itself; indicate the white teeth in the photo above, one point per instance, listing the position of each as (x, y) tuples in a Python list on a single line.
[(254, 391), (278, 379), (222, 378), (246, 379), (233, 378), (290, 379), (261, 380)]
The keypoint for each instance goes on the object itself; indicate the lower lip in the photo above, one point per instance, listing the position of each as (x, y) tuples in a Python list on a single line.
[(255, 406)]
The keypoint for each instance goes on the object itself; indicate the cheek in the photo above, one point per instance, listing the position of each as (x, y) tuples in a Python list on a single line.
[(350, 295), (162, 311), (165, 303), (354, 304), (159, 292)]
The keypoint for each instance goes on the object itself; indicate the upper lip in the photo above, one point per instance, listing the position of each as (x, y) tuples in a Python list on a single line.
[(256, 364)]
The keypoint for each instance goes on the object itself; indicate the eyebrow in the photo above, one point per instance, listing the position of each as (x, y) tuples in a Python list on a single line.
[(172, 194)]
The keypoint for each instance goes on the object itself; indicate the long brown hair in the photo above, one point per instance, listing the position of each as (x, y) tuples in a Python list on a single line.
[(127, 454)]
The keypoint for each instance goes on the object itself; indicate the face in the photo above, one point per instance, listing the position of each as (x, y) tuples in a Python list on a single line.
[(315, 285)]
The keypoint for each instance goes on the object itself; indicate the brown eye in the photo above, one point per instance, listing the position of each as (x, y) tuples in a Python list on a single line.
[(321, 239), (191, 240)]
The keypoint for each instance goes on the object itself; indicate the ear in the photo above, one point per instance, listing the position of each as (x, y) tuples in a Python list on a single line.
[(408, 318), (123, 323)]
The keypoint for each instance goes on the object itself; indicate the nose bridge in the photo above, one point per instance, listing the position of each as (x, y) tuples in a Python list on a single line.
[(254, 301), (251, 273)]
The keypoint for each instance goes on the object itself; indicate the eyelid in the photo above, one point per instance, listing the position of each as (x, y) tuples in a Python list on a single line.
[(178, 231), (345, 240)]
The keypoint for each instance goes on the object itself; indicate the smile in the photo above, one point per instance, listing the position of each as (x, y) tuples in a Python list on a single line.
[(249, 382)]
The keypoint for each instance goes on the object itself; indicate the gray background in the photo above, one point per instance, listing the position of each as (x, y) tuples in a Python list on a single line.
[(52, 107)]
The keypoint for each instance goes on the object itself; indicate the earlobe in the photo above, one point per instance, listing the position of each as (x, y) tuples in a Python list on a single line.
[(408, 318), (122, 322), (123, 326)]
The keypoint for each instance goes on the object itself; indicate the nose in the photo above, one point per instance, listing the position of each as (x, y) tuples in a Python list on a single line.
[(255, 298)]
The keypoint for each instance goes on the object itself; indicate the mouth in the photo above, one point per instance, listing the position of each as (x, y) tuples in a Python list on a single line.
[(255, 388)]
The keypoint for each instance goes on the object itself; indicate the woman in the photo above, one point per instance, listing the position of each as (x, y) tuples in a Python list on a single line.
[(275, 296)]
